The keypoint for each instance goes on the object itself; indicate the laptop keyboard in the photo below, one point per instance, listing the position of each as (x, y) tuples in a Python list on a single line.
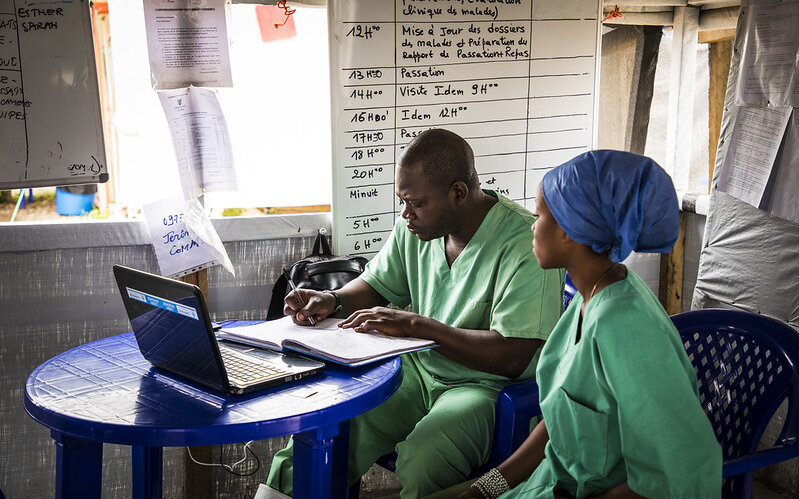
[(247, 371)]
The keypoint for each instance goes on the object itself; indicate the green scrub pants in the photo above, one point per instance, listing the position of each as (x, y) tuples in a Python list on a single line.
[(441, 432)]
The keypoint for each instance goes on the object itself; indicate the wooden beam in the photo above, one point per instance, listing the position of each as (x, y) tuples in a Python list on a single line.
[(290, 210), (645, 3), (712, 19), (642, 19), (671, 273), (716, 35), (720, 55)]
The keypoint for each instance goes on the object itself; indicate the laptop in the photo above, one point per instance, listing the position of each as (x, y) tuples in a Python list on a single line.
[(174, 332)]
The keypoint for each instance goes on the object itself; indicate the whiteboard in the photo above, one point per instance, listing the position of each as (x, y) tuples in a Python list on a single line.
[(50, 122), (517, 79)]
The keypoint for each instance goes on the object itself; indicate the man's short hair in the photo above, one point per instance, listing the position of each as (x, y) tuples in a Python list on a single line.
[(445, 157)]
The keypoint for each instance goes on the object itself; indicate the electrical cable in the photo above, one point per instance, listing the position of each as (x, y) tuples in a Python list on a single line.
[(229, 467)]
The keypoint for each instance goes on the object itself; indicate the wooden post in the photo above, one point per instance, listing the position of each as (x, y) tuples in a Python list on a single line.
[(646, 83), (682, 88), (720, 56), (671, 272), (198, 481)]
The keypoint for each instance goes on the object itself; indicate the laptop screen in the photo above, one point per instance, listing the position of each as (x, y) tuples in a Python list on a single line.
[(171, 325)]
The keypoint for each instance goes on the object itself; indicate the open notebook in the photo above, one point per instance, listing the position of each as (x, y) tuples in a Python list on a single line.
[(325, 340)]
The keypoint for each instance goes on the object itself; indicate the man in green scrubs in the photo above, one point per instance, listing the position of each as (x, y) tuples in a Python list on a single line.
[(460, 258)]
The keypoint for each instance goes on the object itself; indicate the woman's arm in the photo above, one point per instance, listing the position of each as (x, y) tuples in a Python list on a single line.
[(521, 464)]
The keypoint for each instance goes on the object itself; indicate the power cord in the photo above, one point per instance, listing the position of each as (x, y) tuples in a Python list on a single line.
[(229, 467)]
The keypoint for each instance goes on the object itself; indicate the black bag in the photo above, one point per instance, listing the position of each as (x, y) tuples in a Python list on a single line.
[(320, 271)]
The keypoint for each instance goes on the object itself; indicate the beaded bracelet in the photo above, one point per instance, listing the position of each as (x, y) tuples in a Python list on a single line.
[(492, 484)]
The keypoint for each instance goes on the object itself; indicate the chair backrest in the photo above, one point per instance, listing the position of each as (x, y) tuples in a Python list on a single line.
[(746, 365), (568, 291)]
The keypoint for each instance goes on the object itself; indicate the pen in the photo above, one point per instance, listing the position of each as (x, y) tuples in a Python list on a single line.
[(299, 298)]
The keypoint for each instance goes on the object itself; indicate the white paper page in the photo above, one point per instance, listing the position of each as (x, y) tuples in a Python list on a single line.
[(201, 140), (200, 225), (177, 250), (769, 64), (265, 333), (273, 332), (326, 337), (266, 492), (188, 43), (755, 140), (345, 344), (784, 200)]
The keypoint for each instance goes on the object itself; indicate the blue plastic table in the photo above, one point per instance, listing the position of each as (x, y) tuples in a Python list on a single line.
[(105, 391)]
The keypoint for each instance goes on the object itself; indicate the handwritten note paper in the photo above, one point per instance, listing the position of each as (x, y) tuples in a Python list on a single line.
[(515, 79), (178, 249), (201, 140), (187, 42)]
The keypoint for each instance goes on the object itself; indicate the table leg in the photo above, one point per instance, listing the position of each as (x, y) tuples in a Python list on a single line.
[(313, 462), (148, 465), (341, 455), (79, 467)]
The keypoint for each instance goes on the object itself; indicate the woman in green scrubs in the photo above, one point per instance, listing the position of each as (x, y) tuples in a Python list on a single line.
[(621, 411)]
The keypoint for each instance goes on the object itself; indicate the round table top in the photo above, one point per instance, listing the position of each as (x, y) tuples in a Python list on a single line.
[(106, 391)]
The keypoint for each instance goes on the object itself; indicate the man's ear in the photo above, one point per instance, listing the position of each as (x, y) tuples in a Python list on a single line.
[(459, 191)]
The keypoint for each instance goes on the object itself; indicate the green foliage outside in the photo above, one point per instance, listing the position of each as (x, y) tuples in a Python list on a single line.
[(11, 197), (96, 213)]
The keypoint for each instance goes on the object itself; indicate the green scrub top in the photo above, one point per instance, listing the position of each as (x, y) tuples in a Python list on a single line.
[(621, 404), (494, 284)]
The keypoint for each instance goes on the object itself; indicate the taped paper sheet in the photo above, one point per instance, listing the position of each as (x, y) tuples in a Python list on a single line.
[(180, 249), (784, 203), (769, 66), (199, 224), (748, 258), (188, 43), (201, 140), (755, 141)]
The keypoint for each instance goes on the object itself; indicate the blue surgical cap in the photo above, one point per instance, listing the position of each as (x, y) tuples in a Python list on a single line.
[(614, 201)]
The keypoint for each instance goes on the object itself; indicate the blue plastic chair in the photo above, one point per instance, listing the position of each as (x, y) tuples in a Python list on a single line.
[(517, 405), (747, 366), (568, 291)]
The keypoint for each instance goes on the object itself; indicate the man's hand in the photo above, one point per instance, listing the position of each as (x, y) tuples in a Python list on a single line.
[(384, 320), (303, 303)]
